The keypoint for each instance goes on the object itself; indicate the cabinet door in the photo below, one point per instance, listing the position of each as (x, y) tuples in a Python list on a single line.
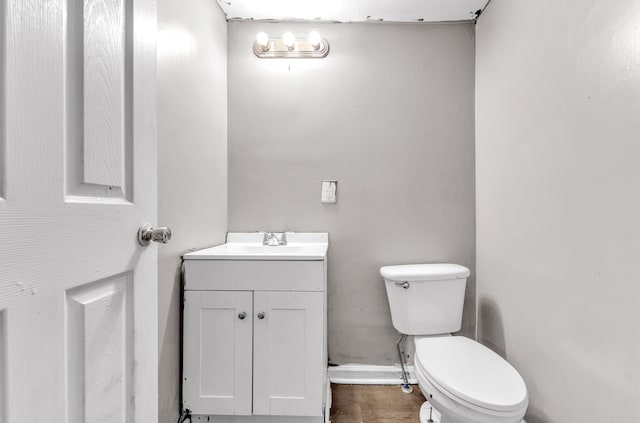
[(288, 353), (217, 352)]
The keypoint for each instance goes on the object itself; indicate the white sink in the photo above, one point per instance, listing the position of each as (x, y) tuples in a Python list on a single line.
[(248, 246)]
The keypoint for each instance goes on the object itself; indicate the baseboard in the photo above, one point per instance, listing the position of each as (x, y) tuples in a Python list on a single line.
[(256, 419), (362, 374)]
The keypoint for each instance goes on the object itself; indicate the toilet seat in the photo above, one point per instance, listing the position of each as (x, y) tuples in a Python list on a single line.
[(470, 373)]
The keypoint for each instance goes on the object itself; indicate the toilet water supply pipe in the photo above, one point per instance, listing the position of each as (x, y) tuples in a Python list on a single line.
[(406, 388)]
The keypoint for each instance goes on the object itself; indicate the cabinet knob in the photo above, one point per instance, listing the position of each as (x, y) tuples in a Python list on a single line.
[(242, 315), (261, 315)]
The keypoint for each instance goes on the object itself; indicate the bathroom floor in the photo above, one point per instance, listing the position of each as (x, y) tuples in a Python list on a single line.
[(374, 404)]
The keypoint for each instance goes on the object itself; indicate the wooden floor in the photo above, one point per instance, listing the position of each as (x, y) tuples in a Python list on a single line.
[(374, 404)]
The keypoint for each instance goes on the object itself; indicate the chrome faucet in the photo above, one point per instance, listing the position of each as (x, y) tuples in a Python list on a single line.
[(274, 239)]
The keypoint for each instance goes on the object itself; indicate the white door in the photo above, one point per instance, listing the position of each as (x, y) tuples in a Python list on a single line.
[(288, 353), (78, 312), (217, 352)]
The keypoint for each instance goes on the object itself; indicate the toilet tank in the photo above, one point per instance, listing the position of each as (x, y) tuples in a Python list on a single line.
[(426, 299)]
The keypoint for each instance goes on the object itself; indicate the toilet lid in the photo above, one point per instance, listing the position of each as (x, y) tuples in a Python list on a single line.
[(470, 371)]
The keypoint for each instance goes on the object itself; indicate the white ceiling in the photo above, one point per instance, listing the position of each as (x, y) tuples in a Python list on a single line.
[(354, 10)]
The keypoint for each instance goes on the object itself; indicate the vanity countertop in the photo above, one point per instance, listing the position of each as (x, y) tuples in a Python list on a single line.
[(248, 246)]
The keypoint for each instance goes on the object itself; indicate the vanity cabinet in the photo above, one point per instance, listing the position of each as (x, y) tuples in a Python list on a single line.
[(218, 352), (253, 353), (287, 353), (254, 340)]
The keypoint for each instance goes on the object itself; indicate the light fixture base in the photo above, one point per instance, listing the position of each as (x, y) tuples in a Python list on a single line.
[(302, 49)]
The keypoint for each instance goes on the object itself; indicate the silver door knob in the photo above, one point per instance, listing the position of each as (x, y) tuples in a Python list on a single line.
[(147, 233), (261, 315), (242, 315)]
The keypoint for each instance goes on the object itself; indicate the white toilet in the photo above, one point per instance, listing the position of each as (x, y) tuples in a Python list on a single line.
[(464, 381)]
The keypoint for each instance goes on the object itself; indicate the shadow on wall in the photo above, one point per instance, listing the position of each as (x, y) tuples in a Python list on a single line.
[(171, 346), (491, 327), (534, 417), (491, 334)]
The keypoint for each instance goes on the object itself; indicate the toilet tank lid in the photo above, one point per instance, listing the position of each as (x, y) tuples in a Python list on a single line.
[(424, 272)]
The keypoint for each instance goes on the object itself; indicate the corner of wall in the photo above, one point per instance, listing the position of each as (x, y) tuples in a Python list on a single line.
[(192, 152)]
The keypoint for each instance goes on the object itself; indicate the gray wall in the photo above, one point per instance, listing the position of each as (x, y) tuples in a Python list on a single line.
[(389, 114), (558, 202), (192, 159)]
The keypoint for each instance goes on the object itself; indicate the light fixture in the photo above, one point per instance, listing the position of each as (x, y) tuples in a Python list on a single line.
[(315, 40), (263, 41), (288, 46), (289, 40)]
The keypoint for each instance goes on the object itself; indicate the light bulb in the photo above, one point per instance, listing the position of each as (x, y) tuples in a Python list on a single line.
[(314, 39), (263, 41), (289, 40)]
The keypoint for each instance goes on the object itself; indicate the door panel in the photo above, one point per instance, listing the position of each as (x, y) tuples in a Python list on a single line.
[(288, 354), (34, 101), (35, 340), (99, 67), (71, 161), (104, 78), (99, 351), (218, 352), (287, 331)]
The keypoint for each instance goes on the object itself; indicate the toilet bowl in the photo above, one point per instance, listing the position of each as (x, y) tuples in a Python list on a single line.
[(464, 381), (467, 382)]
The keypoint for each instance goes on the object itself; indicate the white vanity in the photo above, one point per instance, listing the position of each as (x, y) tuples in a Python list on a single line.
[(255, 330)]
